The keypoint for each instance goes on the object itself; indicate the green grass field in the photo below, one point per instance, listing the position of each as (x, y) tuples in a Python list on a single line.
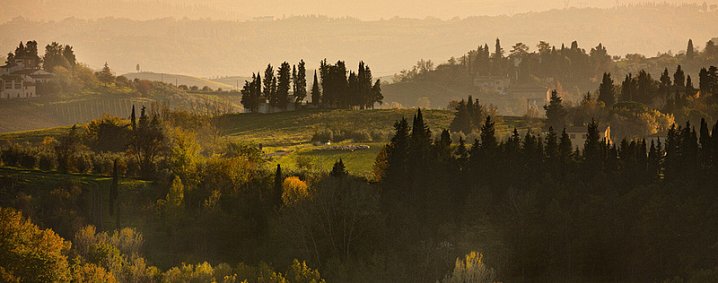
[(286, 137)]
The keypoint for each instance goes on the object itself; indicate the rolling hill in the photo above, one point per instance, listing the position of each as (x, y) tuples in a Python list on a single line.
[(181, 80)]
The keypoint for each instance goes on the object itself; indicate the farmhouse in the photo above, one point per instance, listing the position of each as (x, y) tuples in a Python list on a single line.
[(21, 77)]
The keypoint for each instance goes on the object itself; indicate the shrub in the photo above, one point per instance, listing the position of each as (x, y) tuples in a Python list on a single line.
[(323, 136), (47, 160), (83, 162), (28, 159), (360, 136)]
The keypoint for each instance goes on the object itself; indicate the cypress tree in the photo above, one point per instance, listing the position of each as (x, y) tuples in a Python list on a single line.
[(301, 82), (268, 80), (133, 118), (606, 91), (377, 96), (679, 78), (283, 85), (316, 94), (690, 89), (706, 147), (278, 180), (690, 51)]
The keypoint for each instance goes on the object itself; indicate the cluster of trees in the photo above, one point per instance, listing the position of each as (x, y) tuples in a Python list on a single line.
[(569, 65), (335, 90), (32, 254), (56, 55), (469, 116), (25, 51), (674, 94), (276, 88), (522, 196)]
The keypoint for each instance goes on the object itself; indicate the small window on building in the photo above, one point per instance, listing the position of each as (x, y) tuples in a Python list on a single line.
[(573, 136)]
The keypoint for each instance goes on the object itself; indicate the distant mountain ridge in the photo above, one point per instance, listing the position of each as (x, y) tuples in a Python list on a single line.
[(211, 48)]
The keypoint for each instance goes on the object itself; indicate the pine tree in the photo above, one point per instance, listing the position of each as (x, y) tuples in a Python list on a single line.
[(555, 111), (488, 136), (606, 91), (462, 119), (106, 75), (339, 170), (552, 150), (592, 146)]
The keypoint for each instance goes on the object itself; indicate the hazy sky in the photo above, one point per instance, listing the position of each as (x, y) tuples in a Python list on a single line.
[(246, 9)]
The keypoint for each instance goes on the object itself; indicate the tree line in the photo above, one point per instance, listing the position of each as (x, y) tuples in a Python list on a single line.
[(335, 87), (545, 210)]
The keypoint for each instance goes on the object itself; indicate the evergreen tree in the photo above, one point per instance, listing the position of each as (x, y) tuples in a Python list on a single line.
[(283, 85), (316, 94), (498, 51), (377, 96), (268, 80), (301, 82), (665, 84), (704, 81), (69, 55), (606, 91), (462, 119), (565, 148), (133, 118), (555, 111), (106, 75), (592, 146), (679, 78), (690, 51), (690, 89), (338, 170), (278, 180)]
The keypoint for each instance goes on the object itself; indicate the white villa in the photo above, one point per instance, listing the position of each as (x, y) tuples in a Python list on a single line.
[(21, 78)]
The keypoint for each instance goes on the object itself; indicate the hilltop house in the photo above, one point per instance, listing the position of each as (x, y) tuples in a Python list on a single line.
[(492, 84), (20, 78), (577, 134)]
